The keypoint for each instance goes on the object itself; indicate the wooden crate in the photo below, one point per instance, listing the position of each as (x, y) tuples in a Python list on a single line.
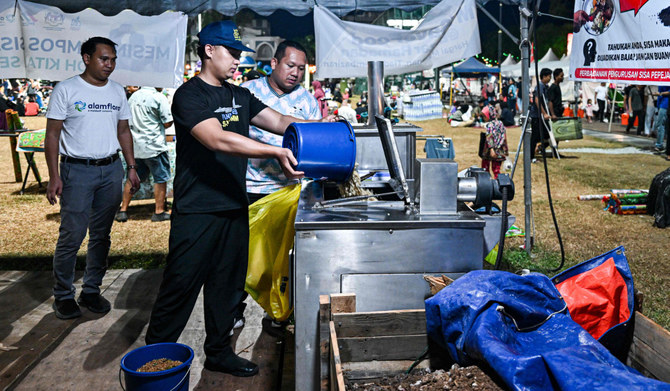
[(369, 345)]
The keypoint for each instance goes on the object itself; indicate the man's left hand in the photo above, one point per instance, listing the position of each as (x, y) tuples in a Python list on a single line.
[(329, 118), (134, 181)]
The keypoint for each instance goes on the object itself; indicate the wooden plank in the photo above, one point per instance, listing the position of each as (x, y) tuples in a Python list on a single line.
[(381, 323), (324, 341), (382, 348), (643, 358), (651, 348), (370, 370), (342, 303), (336, 375)]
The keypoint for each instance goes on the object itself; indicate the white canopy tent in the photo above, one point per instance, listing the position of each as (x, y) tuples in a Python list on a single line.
[(508, 61), (548, 57)]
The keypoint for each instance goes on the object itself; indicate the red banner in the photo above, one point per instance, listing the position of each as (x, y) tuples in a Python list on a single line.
[(625, 74)]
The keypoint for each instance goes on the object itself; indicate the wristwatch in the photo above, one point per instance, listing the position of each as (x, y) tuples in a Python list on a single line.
[(131, 167)]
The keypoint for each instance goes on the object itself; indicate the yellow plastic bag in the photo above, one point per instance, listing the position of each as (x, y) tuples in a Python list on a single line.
[(271, 233)]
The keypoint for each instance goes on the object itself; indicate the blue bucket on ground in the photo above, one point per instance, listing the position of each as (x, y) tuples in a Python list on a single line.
[(323, 149), (174, 379)]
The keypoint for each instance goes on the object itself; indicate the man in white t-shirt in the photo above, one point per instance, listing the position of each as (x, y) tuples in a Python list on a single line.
[(87, 125), (601, 98)]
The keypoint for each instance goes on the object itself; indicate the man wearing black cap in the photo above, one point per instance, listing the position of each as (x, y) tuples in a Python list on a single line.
[(209, 231)]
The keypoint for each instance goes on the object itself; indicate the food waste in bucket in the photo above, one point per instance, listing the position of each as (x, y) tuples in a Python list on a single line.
[(173, 379), (324, 150)]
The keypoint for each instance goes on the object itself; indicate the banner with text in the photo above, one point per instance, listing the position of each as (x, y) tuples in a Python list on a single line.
[(42, 42), (625, 41), (448, 33)]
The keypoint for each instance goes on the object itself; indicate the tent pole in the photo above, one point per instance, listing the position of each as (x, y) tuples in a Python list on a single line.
[(525, 85), (500, 47), (451, 89)]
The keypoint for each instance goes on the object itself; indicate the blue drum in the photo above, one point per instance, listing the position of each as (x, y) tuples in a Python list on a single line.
[(324, 150)]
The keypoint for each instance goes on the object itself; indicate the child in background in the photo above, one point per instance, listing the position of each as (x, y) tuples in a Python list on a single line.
[(496, 149), (589, 110)]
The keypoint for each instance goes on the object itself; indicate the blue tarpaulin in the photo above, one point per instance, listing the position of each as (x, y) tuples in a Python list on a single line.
[(520, 327)]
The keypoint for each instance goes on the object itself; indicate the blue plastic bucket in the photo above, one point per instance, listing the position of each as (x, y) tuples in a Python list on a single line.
[(323, 149), (174, 379)]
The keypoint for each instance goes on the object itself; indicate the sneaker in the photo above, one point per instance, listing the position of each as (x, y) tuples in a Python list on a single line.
[(94, 302), (121, 217), (239, 323), (66, 309), (160, 217)]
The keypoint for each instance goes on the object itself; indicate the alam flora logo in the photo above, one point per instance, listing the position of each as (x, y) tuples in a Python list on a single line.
[(95, 107)]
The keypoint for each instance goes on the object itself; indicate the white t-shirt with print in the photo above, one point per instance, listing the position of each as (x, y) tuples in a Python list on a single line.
[(90, 116)]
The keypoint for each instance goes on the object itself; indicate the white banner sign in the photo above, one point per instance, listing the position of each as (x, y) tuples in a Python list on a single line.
[(448, 33), (42, 42), (626, 41)]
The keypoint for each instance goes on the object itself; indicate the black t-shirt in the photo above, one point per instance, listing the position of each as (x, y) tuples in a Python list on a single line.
[(554, 96), (541, 97), (207, 181)]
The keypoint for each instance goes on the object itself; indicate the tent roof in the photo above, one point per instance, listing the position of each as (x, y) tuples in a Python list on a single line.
[(228, 7), (549, 56), (470, 66), (508, 61)]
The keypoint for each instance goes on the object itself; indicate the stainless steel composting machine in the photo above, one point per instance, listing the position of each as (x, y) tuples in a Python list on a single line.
[(381, 249)]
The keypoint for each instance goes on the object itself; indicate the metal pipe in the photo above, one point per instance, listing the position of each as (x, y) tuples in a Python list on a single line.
[(375, 90), (525, 86)]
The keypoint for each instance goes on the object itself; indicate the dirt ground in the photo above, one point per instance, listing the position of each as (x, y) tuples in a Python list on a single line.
[(456, 378)]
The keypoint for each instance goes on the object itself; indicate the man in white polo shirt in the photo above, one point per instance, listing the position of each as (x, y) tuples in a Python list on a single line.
[(87, 125)]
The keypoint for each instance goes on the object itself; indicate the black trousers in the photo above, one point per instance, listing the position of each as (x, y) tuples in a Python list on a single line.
[(639, 114), (209, 249), (601, 109), (539, 133)]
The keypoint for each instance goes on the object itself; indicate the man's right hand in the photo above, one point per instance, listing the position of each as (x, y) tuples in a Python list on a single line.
[(54, 190), (287, 161)]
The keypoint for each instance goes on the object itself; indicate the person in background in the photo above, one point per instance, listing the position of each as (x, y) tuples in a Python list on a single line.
[(512, 93), (345, 111), (252, 75), (20, 106), (150, 117), (89, 178), (506, 116), (636, 106), (650, 109), (360, 109), (209, 229), (31, 108), (661, 119), (554, 96), (346, 95), (538, 112), (555, 100), (320, 97), (589, 110), (495, 151), (601, 99)]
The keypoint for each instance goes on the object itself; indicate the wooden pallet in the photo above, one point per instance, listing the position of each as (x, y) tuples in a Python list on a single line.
[(369, 345)]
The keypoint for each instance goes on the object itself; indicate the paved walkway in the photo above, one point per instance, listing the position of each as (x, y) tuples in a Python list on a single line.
[(617, 132), (40, 352)]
